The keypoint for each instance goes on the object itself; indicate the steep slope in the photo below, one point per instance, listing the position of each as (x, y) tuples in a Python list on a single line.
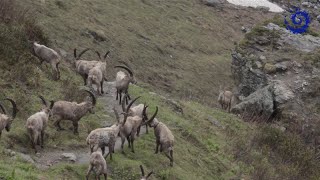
[(169, 44), (180, 43)]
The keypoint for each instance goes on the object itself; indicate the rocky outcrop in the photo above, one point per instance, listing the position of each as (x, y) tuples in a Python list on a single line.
[(265, 102), (281, 82)]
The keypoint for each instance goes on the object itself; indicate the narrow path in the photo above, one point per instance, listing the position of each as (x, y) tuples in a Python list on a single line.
[(52, 157)]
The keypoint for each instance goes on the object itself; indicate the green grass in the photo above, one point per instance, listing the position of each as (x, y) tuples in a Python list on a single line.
[(181, 37)]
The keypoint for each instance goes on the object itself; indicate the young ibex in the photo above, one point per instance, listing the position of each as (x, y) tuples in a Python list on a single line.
[(139, 110), (225, 99), (97, 75), (37, 123), (164, 137), (97, 164), (5, 120), (49, 56), (143, 176), (122, 82), (83, 66), (130, 128), (65, 110)]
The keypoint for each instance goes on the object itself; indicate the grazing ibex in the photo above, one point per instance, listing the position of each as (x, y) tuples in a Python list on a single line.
[(97, 75), (37, 123), (97, 164), (5, 120), (143, 176), (49, 56), (65, 110), (122, 82), (164, 137), (225, 99)]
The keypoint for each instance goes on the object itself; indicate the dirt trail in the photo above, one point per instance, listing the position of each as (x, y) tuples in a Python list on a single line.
[(53, 156)]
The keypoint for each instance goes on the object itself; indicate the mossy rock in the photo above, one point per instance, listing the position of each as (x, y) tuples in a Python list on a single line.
[(270, 68)]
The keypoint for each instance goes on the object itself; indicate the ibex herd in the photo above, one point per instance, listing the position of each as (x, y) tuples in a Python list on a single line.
[(127, 127)]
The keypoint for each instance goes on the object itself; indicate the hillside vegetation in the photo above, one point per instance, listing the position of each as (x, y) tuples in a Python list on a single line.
[(178, 49)]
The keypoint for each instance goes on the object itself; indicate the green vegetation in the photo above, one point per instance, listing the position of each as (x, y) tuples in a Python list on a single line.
[(210, 144)]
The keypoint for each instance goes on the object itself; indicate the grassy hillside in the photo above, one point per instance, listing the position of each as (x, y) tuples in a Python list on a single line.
[(177, 47), (169, 44)]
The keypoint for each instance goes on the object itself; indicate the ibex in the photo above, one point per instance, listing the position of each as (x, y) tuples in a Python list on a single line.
[(65, 110), (5, 119)]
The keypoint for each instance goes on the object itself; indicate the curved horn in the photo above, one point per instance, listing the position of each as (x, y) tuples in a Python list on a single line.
[(82, 52), (154, 115), (51, 104), (142, 171), (3, 109), (98, 54), (104, 57), (126, 64), (129, 106), (44, 102), (150, 173), (126, 68), (94, 100), (14, 107)]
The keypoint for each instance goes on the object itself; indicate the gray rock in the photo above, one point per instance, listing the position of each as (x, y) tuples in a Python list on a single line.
[(26, 158), (215, 122), (69, 156), (281, 66), (318, 18), (213, 3), (243, 29), (281, 93), (262, 58), (306, 43), (264, 101)]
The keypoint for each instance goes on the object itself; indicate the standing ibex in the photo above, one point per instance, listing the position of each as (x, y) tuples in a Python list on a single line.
[(49, 56), (143, 176), (83, 66), (164, 137), (37, 123), (130, 128), (139, 110), (122, 82), (65, 110), (5, 120), (97, 164), (97, 75), (225, 99)]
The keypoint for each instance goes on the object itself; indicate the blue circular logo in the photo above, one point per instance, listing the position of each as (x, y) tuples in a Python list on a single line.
[(299, 19)]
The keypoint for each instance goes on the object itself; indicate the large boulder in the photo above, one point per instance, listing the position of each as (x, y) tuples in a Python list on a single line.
[(264, 102)]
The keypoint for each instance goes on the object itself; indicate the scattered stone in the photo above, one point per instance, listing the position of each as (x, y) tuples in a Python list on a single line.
[(213, 3), (69, 156), (26, 158), (243, 29), (318, 18), (270, 68), (262, 58), (281, 66), (259, 65)]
